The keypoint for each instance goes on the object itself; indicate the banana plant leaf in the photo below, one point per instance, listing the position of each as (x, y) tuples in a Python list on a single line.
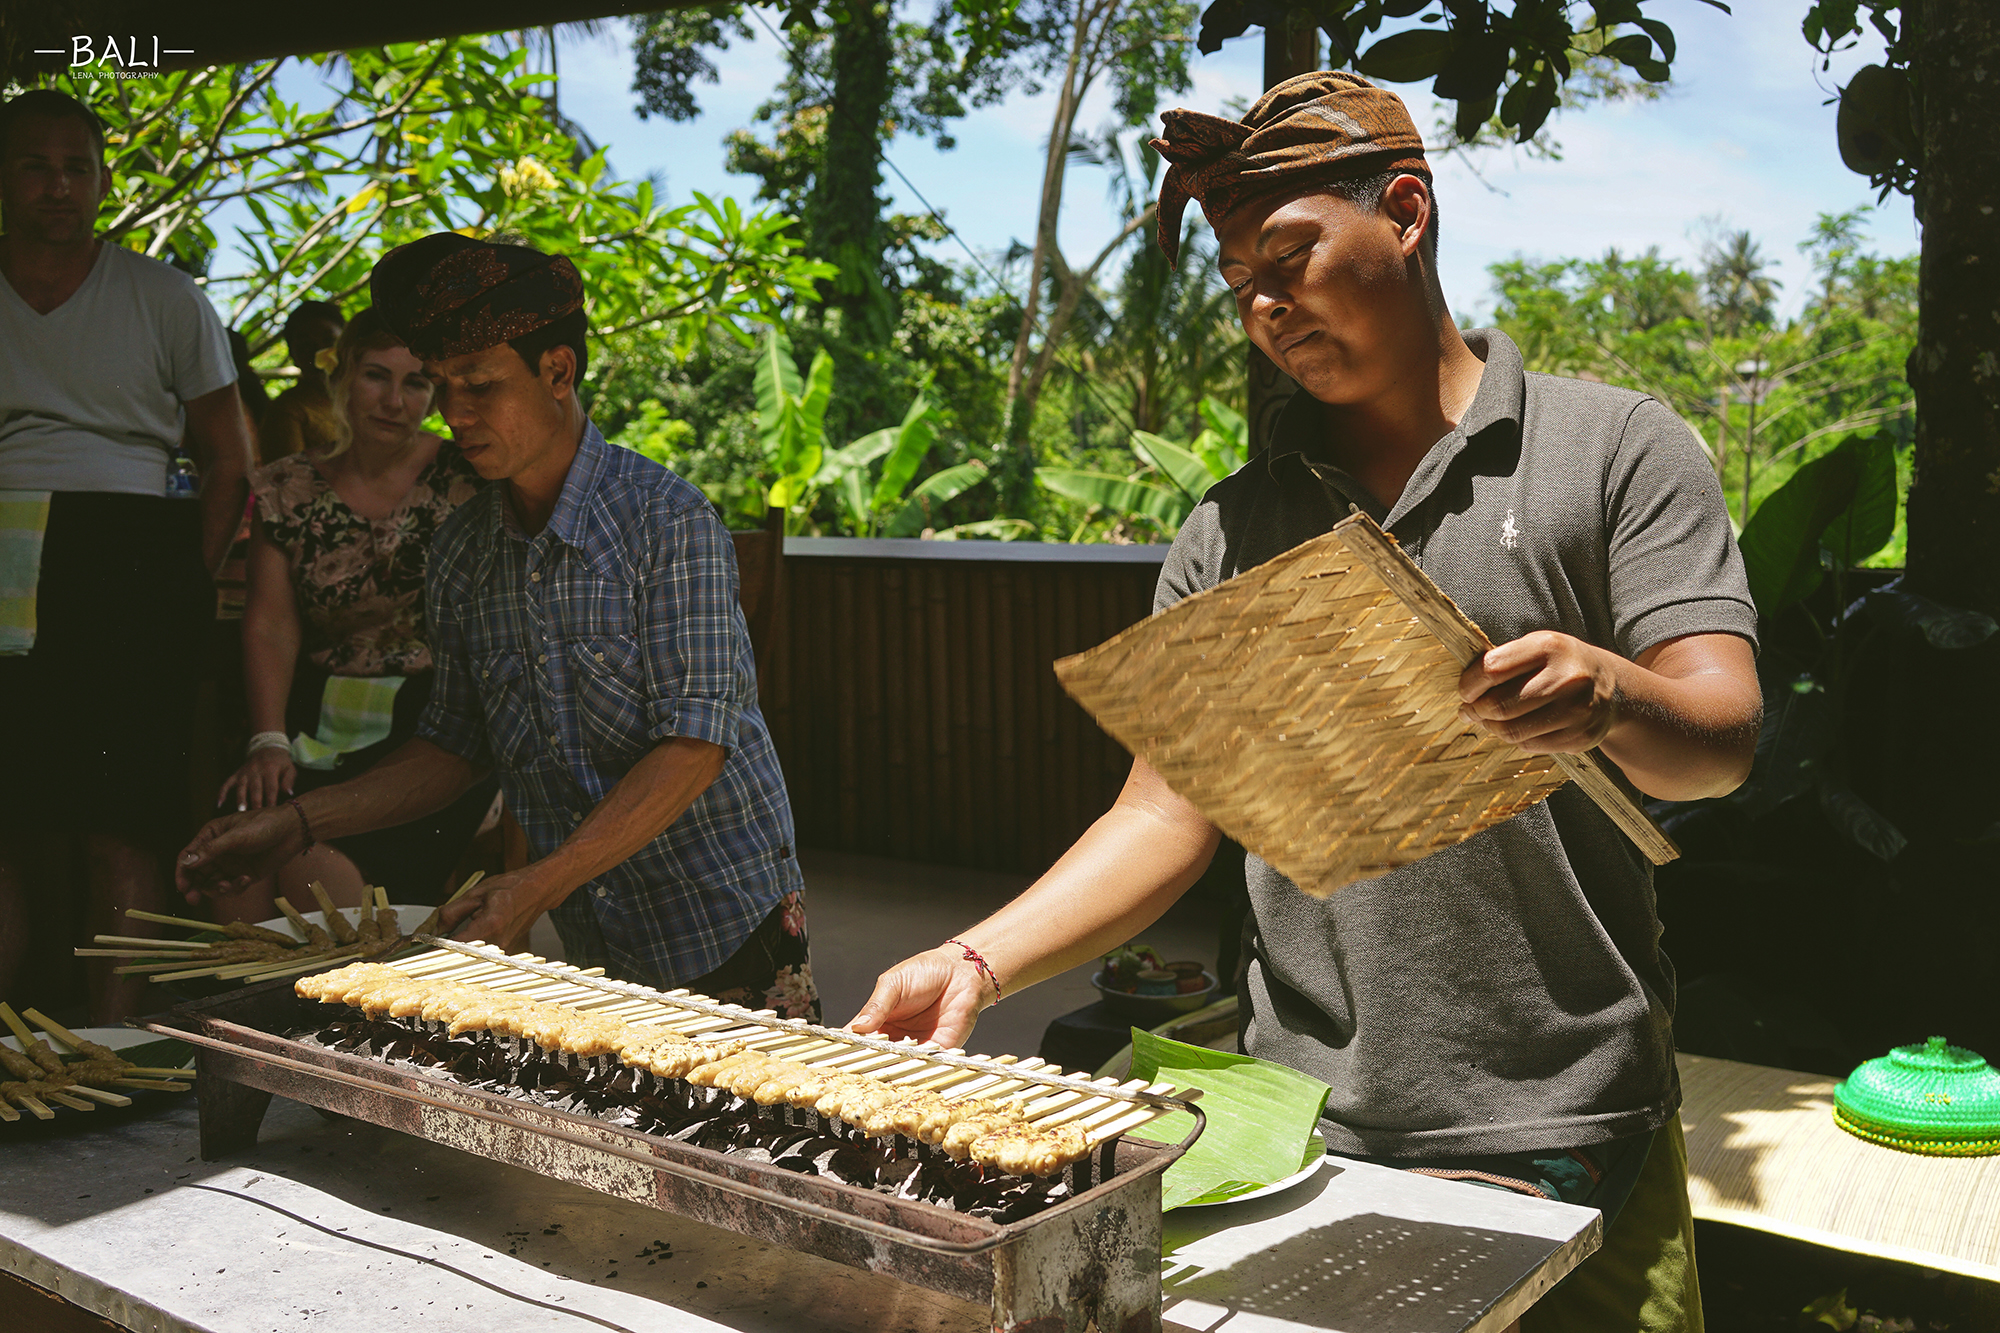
[(931, 494), (913, 441), (1261, 1119), (1180, 465), (1168, 508)]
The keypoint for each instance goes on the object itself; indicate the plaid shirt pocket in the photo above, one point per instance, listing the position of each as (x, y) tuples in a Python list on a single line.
[(504, 695), (610, 702)]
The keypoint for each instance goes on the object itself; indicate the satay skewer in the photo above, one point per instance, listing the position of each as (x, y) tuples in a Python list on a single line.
[(314, 936), (336, 920), (387, 925), (235, 930)]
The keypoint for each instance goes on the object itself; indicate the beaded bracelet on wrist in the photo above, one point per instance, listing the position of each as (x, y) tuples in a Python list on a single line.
[(985, 968)]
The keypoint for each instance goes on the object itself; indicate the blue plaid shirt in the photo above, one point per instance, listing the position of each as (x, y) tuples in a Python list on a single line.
[(563, 658)]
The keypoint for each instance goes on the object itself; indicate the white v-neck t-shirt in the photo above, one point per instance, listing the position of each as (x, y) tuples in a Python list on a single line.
[(91, 393)]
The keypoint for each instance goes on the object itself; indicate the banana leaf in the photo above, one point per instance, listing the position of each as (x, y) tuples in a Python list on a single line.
[(1168, 508), (1261, 1119), (1180, 465), (933, 493)]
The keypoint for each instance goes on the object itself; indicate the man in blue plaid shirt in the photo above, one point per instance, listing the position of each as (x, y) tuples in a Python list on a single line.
[(589, 647)]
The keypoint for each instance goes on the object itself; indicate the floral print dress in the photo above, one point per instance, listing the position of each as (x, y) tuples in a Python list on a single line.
[(360, 581)]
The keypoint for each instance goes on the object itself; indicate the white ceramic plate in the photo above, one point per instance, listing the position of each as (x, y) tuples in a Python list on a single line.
[(408, 916), (1275, 1187), (115, 1038)]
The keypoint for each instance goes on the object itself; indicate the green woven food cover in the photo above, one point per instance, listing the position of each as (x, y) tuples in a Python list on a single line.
[(1936, 1098)]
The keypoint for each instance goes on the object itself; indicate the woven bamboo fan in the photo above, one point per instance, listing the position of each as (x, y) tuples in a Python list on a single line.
[(1309, 707)]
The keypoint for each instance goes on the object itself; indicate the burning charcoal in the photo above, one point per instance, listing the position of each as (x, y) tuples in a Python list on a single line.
[(907, 1187), (850, 1166)]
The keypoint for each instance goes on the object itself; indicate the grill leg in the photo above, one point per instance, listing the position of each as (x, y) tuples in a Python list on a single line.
[(231, 1114), (1097, 1270)]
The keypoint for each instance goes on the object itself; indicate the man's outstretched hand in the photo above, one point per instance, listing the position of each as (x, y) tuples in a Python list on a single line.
[(935, 996), (499, 909), (234, 852)]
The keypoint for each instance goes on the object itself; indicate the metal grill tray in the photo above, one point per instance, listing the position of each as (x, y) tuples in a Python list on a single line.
[(1092, 1256)]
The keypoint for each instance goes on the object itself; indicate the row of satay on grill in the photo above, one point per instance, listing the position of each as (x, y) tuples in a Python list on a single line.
[(995, 1134)]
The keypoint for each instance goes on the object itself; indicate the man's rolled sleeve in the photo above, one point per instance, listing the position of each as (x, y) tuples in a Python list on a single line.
[(691, 631), (1674, 568), (453, 720)]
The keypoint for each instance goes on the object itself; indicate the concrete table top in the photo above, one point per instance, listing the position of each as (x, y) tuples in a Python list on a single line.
[(341, 1227)]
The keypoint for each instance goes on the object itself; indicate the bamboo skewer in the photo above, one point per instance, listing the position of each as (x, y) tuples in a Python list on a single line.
[(149, 1084), (336, 920), (161, 918), (99, 1095), (147, 1071), (144, 941), (309, 934), (35, 1105)]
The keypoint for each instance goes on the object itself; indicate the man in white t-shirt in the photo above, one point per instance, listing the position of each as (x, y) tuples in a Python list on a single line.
[(112, 362)]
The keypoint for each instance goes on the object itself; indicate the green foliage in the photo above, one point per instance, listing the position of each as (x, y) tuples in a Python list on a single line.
[(791, 421), (1185, 473), (1764, 397), (656, 435), (392, 143), (1510, 66), (1840, 507)]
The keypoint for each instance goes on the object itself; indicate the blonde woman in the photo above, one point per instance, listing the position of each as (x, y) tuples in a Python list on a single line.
[(336, 658)]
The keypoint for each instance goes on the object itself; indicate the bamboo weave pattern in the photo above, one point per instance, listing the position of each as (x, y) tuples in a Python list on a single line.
[(1311, 716)]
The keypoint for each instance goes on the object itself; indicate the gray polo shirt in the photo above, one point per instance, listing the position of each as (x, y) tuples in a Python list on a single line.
[(1508, 993)]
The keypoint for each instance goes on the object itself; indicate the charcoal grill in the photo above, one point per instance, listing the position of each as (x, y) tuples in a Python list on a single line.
[(1091, 1260)]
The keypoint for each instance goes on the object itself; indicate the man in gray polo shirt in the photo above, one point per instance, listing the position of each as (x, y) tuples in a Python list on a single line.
[(1501, 1011)]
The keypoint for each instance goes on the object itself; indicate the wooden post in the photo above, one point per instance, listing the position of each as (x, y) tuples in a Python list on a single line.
[(1291, 48)]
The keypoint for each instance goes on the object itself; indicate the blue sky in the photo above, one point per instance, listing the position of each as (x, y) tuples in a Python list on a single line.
[(1740, 140)]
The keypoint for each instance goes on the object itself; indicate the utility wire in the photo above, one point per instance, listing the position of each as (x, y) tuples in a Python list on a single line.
[(882, 156)]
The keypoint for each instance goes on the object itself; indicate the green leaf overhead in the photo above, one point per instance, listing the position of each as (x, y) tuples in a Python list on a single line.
[(1406, 57)]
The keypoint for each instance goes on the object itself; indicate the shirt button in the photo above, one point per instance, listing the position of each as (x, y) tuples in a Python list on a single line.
[(600, 657), (485, 674), (535, 577), (603, 893), (543, 660)]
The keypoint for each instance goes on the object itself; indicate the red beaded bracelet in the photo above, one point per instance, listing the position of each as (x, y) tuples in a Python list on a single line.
[(305, 826), (985, 968)]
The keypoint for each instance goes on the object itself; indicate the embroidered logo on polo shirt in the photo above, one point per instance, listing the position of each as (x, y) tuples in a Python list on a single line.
[(1510, 532)]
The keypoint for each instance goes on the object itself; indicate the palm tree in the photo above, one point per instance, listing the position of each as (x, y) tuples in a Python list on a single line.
[(1736, 283)]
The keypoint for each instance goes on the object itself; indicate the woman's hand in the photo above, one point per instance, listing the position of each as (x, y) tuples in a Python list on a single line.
[(935, 996), (265, 779)]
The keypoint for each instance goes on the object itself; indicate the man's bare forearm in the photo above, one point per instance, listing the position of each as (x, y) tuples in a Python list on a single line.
[(1687, 719), (218, 438), (417, 779), (653, 793), (1124, 872)]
